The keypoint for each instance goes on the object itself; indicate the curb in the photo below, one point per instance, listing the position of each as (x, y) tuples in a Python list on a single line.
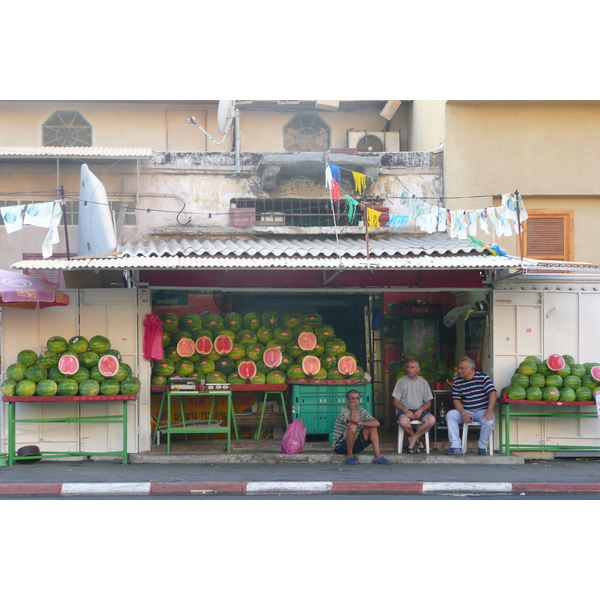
[(289, 487)]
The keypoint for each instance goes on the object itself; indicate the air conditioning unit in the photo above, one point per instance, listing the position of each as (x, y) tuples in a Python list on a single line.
[(374, 141), (328, 104)]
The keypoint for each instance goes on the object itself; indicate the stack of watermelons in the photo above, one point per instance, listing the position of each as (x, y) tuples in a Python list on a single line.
[(556, 378), (253, 348), (74, 367)]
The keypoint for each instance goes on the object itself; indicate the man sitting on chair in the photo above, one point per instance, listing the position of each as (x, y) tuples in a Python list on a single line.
[(412, 398)]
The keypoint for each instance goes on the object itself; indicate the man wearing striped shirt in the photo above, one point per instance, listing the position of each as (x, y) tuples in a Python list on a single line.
[(474, 397)]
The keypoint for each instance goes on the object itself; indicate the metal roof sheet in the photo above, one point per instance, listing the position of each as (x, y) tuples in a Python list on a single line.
[(73, 152), (387, 253)]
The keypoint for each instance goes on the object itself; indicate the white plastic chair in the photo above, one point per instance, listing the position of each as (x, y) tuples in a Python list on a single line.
[(401, 436), (465, 433)]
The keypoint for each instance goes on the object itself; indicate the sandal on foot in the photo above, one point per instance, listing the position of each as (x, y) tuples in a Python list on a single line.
[(414, 450), (420, 445)]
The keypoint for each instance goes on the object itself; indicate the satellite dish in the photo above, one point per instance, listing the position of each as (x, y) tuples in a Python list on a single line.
[(225, 114)]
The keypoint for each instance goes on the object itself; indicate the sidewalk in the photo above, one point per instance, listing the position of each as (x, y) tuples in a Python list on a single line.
[(315, 471)]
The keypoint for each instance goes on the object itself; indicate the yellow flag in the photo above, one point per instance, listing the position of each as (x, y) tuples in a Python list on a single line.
[(360, 181), (373, 218)]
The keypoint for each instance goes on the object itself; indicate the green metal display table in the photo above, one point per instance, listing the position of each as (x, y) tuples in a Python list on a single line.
[(505, 414), (118, 419)]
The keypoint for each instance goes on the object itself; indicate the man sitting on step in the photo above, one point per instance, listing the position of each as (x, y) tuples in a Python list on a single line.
[(354, 430)]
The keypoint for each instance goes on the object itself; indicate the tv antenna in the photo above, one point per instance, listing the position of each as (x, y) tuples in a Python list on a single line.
[(227, 114)]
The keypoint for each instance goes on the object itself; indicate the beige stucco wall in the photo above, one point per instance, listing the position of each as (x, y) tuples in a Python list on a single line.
[(427, 125)]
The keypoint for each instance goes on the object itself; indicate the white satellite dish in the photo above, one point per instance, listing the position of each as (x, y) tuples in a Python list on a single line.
[(225, 114)]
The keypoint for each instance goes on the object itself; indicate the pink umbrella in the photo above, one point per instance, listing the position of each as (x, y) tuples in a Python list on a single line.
[(22, 291)]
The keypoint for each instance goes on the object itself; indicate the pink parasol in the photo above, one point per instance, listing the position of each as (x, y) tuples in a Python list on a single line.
[(22, 291)]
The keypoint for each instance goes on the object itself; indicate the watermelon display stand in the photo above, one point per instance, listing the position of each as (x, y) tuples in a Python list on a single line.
[(120, 419), (506, 413)]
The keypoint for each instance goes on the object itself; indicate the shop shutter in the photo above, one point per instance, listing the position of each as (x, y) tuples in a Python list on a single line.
[(549, 235)]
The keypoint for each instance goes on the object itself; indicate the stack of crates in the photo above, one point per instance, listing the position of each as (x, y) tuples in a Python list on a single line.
[(319, 405)]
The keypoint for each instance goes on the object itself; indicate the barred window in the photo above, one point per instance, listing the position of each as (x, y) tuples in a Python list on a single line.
[(306, 132), (66, 128)]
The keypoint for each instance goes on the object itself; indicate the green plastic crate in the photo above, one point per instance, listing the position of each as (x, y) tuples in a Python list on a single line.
[(319, 405)]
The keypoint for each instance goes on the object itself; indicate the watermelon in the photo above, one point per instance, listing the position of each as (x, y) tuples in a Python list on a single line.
[(233, 321), (520, 380), (108, 365), (584, 394), (276, 377), (171, 354), (319, 348), (286, 361), (543, 369), (567, 394), (246, 337), (527, 367), (264, 335), (565, 371), (216, 377), (186, 347), (67, 387), (159, 380), (588, 366), (223, 344), (48, 359), (36, 373), (302, 329), (26, 387), (164, 367), (8, 387), (329, 360), (56, 344), (189, 322), (46, 387), (122, 374), (312, 319), (569, 359), (237, 352), (225, 365), (346, 364), (204, 345), (89, 387), (595, 393), (269, 319), (110, 387), (578, 370), (595, 373), (320, 374), (588, 381), (78, 344), (228, 332), (185, 368), (572, 381), (205, 366), (517, 392), (165, 339), (89, 359), (556, 362), (335, 374), (551, 393), (295, 372), (130, 386), (27, 358), (16, 371), (272, 357), (235, 379), (554, 381), (536, 359), (283, 334), (95, 374), (81, 375), (212, 322), (177, 335), (292, 320), (262, 367), (170, 322), (247, 369), (537, 380), (251, 321), (258, 379), (311, 365), (359, 373), (325, 331), (534, 393), (276, 344), (307, 340), (336, 346), (294, 350), (112, 352)]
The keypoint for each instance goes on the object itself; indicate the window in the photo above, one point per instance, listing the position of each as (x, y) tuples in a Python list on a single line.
[(66, 128), (306, 132), (548, 234)]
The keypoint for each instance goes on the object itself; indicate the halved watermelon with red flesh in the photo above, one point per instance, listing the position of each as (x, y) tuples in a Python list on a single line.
[(346, 365), (311, 365), (108, 365), (186, 347), (247, 369), (204, 345), (556, 362), (595, 373), (307, 341), (272, 357), (223, 344), (68, 364)]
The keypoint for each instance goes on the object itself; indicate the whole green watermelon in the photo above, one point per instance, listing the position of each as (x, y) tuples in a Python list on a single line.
[(567, 394), (89, 359), (551, 393), (26, 387), (57, 344), (48, 359), (534, 393), (577, 369), (527, 367), (554, 381), (572, 381), (520, 380), (537, 380), (67, 387), (27, 358), (88, 387), (109, 387), (8, 387), (544, 369), (16, 371), (81, 375), (517, 392), (130, 386), (46, 387), (584, 394), (99, 344), (78, 344), (36, 373)]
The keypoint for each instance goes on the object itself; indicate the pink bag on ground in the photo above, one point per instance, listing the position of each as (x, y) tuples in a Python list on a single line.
[(294, 438)]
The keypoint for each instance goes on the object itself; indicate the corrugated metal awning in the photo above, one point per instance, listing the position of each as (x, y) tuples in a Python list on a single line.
[(73, 152), (436, 251)]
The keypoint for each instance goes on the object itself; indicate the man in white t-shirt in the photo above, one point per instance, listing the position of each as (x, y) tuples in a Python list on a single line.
[(412, 398)]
